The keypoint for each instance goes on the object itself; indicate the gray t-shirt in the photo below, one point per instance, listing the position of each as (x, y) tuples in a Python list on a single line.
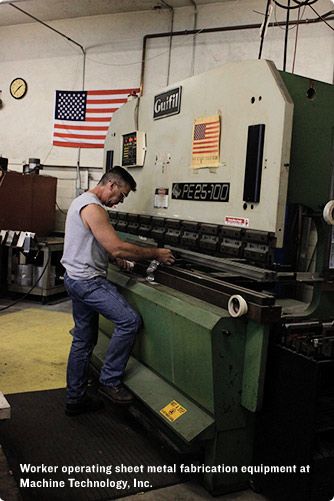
[(83, 257)]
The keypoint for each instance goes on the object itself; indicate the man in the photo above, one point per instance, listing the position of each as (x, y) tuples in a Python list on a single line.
[(90, 242)]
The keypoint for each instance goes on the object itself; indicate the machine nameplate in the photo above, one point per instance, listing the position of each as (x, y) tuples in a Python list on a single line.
[(173, 411), (201, 192), (167, 104)]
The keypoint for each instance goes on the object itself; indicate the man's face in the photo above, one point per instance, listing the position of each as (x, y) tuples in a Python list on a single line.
[(115, 193)]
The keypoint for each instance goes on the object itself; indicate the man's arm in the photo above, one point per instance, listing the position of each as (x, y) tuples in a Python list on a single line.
[(96, 220)]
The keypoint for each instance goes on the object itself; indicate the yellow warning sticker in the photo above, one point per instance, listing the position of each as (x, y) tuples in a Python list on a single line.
[(173, 411)]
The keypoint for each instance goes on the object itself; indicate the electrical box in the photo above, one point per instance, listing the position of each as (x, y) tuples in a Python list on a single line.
[(133, 149)]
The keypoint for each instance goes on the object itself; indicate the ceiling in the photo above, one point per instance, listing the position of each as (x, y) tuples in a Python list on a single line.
[(49, 10)]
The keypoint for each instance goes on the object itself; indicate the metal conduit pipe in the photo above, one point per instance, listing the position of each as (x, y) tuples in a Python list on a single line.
[(264, 27), (170, 38), (48, 26), (286, 35), (192, 71), (329, 16)]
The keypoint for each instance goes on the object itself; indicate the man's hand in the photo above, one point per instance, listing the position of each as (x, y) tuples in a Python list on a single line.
[(165, 256), (124, 264)]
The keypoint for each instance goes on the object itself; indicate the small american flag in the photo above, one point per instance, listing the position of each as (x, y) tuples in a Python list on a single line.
[(205, 144), (206, 137), (82, 118)]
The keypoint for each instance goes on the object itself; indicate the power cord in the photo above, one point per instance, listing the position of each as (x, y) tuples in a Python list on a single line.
[(60, 210)]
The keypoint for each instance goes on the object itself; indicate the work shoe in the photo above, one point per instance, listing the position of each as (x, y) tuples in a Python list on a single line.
[(117, 394), (88, 405)]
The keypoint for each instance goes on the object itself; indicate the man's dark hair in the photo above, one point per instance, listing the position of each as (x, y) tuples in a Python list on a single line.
[(119, 175)]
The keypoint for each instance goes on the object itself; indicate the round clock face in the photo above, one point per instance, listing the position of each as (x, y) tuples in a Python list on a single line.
[(18, 88)]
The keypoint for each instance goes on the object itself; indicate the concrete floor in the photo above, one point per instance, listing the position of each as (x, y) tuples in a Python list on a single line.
[(62, 303), (188, 491)]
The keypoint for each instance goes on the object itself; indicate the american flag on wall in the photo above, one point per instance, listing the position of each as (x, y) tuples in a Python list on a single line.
[(82, 118), (205, 145)]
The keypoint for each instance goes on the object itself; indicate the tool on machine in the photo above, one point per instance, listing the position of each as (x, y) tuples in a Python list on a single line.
[(328, 212), (237, 306), (151, 269)]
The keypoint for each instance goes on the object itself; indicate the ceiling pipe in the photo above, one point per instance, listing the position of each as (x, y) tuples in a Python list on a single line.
[(48, 26), (329, 16)]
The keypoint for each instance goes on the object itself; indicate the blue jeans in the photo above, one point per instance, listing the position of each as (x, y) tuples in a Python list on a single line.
[(89, 299)]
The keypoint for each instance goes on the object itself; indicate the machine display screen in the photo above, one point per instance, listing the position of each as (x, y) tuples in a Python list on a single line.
[(129, 149), (201, 192)]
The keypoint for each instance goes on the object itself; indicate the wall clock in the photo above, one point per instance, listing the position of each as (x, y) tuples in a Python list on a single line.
[(18, 88)]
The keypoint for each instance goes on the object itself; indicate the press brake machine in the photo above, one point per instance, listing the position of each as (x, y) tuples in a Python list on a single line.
[(234, 172)]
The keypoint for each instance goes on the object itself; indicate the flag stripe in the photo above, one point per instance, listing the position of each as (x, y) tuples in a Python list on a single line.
[(79, 139), (102, 119), (204, 151), (78, 136), (99, 115), (97, 110), (210, 134), (199, 147), (81, 127), (77, 145), (197, 143), (105, 101), (111, 92), (100, 104), (93, 122)]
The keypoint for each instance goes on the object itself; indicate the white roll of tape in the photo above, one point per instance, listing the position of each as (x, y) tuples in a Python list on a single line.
[(237, 306), (328, 212)]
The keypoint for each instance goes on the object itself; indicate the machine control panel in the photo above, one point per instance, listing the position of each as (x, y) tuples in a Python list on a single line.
[(133, 149)]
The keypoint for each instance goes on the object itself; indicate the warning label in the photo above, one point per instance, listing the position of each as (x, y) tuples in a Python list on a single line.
[(237, 221), (173, 411)]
